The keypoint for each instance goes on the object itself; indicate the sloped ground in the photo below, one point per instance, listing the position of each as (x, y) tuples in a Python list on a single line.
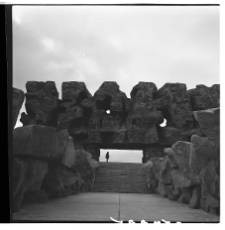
[(95, 207), (120, 177)]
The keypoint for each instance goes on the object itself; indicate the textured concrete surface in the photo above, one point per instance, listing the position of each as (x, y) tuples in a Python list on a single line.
[(96, 207), (124, 178)]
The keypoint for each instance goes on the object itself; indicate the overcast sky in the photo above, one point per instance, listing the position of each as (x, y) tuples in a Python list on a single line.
[(126, 44)]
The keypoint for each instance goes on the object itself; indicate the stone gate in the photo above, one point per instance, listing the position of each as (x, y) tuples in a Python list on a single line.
[(109, 119)]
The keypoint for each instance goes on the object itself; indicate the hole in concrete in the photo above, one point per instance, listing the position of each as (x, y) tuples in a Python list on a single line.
[(121, 155), (164, 124), (166, 115), (103, 103)]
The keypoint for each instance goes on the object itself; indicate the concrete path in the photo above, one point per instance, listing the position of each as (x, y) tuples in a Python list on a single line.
[(96, 207)]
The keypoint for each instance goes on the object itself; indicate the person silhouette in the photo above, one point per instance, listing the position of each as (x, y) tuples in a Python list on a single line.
[(107, 156)]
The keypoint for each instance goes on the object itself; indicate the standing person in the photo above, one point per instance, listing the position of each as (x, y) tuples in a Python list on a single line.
[(107, 156)]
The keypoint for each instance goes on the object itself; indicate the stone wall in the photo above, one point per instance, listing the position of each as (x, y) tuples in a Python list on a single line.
[(46, 165), (190, 171), (131, 123), (61, 138)]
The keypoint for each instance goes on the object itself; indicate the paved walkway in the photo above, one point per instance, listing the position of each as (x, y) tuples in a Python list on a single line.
[(92, 207)]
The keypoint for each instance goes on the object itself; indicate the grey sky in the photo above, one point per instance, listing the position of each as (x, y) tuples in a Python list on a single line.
[(126, 44)]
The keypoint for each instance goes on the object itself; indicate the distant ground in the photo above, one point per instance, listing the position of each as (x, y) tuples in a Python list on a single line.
[(131, 156)]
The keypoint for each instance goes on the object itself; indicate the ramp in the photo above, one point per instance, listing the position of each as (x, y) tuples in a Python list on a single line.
[(120, 177)]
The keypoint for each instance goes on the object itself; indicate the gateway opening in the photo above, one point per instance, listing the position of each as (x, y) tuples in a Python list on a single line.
[(118, 155)]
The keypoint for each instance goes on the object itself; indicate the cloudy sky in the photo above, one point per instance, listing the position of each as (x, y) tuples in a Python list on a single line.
[(126, 44)]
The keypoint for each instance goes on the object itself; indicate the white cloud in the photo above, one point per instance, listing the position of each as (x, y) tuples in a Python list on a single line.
[(89, 65), (48, 44)]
